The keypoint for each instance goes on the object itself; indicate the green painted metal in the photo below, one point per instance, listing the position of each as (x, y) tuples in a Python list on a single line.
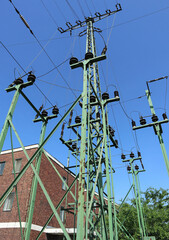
[(16, 189), (17, 179), (34, 186), (157, 127), (9, 116)]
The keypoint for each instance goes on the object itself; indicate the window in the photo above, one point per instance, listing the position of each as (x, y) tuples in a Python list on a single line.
[(62, 214), (2, 165), (17, 165), (64, 183), (9, 202)]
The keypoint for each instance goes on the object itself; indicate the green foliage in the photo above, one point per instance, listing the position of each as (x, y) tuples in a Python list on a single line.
[(156, 215)]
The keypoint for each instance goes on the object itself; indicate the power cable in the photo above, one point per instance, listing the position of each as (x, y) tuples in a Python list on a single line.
[(138, 18), (88, 7), (81, 8), (73, 11), (57, 85), (165, 103), (27, 25), (43, 95), (55, 2), (50, 15), (13, 57), (53, 68), (93, 5)]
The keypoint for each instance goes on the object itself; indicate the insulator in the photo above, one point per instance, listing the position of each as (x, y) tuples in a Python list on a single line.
[(116, 143), (137, 167), (80, 104), (44, 113), (73, 60), (70, 119), (139, 154), (74, 145), (133, 123), (123, 156), (63, 126), (105, 96), (31, 78), (97, 115), (92, 98), (88, 55), (132, 155), (18, 81), (128, 168), (112, 132), (116, 94), (164, 116), (70, 141), (55, 110), (104, 171), (142, 120), (77, 119), (154, 118)]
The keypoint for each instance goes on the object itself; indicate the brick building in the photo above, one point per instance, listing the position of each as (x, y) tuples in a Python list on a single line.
[(9, 215)]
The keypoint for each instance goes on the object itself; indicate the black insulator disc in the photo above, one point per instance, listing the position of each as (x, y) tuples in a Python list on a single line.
[(105, 96), (137, 167), (77, 119), (73, 60), (88, 55), (133, 123), (116, 94), (44, 113), (31, 78), (139, 154), (92, 98), (123, 156), (132, 155), (142, 121), (164, 116), (55, 110), (154, 118), (128, 168), (74, 145), (18, 81)]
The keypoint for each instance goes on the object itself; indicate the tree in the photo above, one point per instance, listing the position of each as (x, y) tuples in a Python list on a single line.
[(156, 215)]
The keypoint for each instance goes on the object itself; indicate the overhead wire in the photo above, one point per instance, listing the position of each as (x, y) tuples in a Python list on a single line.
[(88, 7), (50, 15), (57, 5), (138, 18), (26, 24), (72, 9), (81, 8), (165, 101)]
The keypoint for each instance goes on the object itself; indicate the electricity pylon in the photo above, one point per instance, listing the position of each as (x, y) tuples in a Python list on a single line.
[(92, 146)]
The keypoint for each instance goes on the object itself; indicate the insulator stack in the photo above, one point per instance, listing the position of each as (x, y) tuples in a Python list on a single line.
[(132, 155), (154, 118), (70, 119), (164, 116), (63, 126), (44, 113), (128, 168), (133, 123), (123, 156), (142, 120)]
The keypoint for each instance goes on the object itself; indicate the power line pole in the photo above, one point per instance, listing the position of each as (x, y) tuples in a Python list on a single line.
[(96, 201)]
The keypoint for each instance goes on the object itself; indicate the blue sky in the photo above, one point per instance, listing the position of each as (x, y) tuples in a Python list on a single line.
[(138, 51)]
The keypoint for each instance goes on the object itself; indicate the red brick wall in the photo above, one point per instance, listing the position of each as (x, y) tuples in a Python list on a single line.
[(42, 211)]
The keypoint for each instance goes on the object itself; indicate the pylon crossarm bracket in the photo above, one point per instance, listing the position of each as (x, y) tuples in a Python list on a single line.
[(97, 18), (30, 103), (20, 86), (131, 159), (57, 207), (7, 192), (13, 161), (151, 124)]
